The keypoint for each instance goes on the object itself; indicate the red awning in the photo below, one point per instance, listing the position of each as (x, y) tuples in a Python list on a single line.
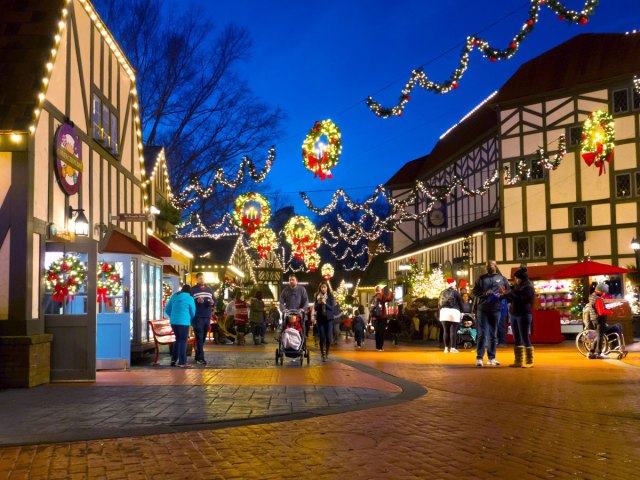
[(157, 246), (116, 242), (587, 268)]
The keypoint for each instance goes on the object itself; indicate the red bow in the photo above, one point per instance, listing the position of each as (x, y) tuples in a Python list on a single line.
[(251, 224), (61, 294), (102, 296), (596, 157), (106, 268), (317, 163)]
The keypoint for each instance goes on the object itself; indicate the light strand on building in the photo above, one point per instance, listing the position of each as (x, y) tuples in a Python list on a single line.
[(419, 77), (523, 171)]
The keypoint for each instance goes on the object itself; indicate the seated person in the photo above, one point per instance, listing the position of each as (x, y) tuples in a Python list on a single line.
[(468, 327), (293, 321)]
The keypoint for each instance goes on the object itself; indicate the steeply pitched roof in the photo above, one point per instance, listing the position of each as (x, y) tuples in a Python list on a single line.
[(27, 28), (583, 60), (219, 251), (151, 153), (407, 173)]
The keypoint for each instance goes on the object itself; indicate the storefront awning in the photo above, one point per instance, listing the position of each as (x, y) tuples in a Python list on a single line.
[(586, 268), (169, 270), (117, 242), (160, 248)]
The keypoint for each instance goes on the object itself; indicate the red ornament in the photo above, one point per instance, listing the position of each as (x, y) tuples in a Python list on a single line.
[(475, 42), (492, 59), (513, 45), (408, 98), (454, 85), (529, 22), (583, 20), (561, 17)]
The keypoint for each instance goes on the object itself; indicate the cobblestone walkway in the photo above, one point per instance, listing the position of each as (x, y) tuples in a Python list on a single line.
[(568, 417)]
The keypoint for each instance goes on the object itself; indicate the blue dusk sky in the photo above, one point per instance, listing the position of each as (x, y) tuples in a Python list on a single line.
[(319, 60)]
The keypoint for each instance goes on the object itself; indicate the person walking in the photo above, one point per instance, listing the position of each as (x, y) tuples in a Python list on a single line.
[(256, 317), (323, 306), (381, 298), (450, 304), (181, 309), (241, 318), (521, 299), (294, 296), (487, 292), (205, 301)]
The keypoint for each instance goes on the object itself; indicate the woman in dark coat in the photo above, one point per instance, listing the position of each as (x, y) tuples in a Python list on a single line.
[(323, 306), (521, 298)]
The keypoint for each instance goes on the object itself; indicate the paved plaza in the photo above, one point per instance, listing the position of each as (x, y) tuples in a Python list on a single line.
[(407, 412)]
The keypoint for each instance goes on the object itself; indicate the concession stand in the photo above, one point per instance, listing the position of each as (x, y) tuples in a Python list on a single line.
[(562, 290)]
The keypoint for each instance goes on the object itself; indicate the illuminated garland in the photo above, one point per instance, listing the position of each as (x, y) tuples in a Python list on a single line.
[(523, 172), (319, 157), (418, 77), (597, 148), (108, 283), (636, 84), (263, 241), (166, 293), (250, 211), (195, 191), (64, 277), (224, 228), (300, 232), (327, 271)]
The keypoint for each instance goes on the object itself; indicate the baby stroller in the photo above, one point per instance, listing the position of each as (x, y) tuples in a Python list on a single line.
[(614, 344), (467, 332), (288, 343)]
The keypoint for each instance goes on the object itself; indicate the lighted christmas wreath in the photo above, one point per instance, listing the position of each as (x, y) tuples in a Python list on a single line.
[(263, 241), (108, 282), (250, 211), (327, 271), (597, 146), (65, 276), (320, 157), (312, 261), (299, 232)]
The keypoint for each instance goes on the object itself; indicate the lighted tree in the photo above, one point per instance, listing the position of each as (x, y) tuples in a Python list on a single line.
[(435, 283)]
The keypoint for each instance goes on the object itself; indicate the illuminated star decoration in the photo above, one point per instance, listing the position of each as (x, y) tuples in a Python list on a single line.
[(418, 77)]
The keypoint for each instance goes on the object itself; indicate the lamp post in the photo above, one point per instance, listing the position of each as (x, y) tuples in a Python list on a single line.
[(81, 223), (635, 246)]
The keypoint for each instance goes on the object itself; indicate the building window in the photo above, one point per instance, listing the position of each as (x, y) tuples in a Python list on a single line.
[(579, 216), (638, 184), (623, 185), (574, 136), (537, 171), (105, 124), (636, 96), (523, 247), (539, 247), (620, 101)]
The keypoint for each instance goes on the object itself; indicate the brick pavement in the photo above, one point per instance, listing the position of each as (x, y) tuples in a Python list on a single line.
[(568, 417)]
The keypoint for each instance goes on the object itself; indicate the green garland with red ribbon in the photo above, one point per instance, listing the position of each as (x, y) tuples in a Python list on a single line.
[(64, 277), (250, 211), (597, 146), (321, 160), (108, 282)]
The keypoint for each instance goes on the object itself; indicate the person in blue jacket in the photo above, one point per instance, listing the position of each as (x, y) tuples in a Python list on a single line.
[(181, 308)]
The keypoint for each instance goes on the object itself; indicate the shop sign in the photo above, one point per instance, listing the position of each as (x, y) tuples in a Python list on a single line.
[(437, 216), (68, 159), (134, 217)]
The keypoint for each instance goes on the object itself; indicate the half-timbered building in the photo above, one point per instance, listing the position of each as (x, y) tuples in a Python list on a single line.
[(72, 198), (453, 233)]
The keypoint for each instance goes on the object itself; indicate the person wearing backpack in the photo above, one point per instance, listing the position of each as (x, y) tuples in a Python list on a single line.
[(521, 299), (450, 304), (599, 317)]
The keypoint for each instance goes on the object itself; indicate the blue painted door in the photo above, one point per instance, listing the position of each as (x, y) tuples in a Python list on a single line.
[(113, 287)]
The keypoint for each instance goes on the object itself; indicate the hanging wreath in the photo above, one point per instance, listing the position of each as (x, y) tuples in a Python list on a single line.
[(300, 232), (250, 211), (263, 241), (320, 157), (65, 276), (327, 271), (108, 282), (598, 140), (312, 261), (167, 291)]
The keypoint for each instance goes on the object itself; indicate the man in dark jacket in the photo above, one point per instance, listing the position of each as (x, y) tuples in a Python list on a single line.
[(205, 302), (487, 292), (521, 299)]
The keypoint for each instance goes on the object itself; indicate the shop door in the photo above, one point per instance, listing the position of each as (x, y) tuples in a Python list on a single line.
[(70, 309), (113, 345)]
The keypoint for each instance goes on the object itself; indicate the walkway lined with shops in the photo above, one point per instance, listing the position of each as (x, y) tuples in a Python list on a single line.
[(567, 417)]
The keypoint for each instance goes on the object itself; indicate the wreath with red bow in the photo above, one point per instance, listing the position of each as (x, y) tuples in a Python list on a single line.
[(598, 140), (64, 277), (250, 211), (327, 271), (301, 234), (312, 261), (320, 157), (263, 241), (108, 283), (166, 293)]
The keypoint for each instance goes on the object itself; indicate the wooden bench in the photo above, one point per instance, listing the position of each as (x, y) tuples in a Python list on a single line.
[(163, 335)]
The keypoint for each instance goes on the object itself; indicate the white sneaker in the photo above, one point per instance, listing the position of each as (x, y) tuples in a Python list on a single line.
[(446, 349), (454, 350), (493, 362), (479, 363)]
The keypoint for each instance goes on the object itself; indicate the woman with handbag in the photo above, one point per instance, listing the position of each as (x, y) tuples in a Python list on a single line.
[(380, 300), (323, 306)]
